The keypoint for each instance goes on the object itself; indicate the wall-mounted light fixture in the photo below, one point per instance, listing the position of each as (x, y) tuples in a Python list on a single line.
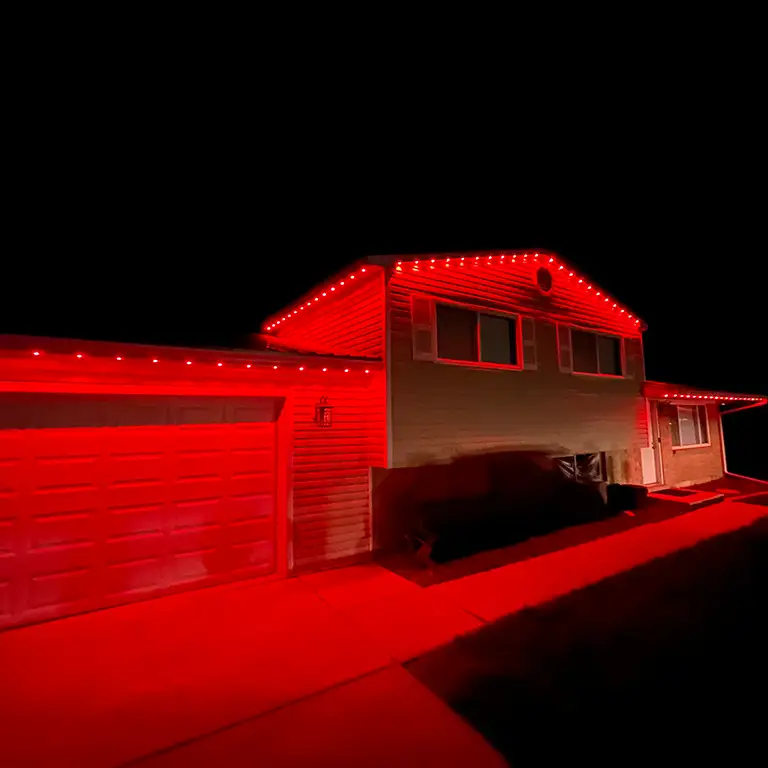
[(323, 413)]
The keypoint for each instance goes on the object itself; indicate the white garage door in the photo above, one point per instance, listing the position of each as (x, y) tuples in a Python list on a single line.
[(105, 500)]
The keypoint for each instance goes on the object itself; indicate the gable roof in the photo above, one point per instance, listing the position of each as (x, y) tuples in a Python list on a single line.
[(498, 259)]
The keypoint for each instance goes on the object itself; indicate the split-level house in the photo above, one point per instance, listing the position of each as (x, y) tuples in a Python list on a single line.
[(129, 471)]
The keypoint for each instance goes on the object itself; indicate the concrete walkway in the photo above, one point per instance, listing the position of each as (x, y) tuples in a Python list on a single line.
[(304, 671)]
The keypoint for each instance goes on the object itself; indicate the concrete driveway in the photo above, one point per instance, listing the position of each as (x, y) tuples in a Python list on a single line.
[(297, 672)]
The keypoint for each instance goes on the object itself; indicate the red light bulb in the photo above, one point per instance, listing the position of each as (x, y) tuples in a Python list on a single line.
[(36, 354), (118, 358), (189, 362), (155, 360), (301, 367), (79, 357), (219, 365)]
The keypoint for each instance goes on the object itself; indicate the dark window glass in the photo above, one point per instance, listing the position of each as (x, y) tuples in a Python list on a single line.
[(609, 355), (498, 340), (456, 333), (584, 352)]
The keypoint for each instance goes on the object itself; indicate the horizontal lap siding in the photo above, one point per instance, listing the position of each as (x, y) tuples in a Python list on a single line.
[(440, 410), (512, 288), (331, 468), (351, 323)]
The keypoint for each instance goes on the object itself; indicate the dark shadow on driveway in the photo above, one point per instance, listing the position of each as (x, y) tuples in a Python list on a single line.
[(662, 665)]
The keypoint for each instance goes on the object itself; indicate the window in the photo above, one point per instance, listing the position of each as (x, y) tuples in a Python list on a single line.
[(689, 426), (474, 337), (596, 353), (584, 467)]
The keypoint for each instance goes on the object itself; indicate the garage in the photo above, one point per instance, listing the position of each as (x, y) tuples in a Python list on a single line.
[(118, 498), (130, 472)]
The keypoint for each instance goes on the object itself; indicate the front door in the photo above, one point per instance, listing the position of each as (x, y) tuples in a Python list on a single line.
[(653, 467)]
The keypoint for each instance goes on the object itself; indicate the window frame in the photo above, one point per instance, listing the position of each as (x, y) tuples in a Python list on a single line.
[(622, 352), (695, 408), (518, 318)]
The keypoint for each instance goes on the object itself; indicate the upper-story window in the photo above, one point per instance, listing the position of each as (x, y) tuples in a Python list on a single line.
[(587, 352), (465, 335), (456, 333)]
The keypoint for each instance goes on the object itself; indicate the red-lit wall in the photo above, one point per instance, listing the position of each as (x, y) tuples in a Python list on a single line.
[(347, 321), (440, 409)]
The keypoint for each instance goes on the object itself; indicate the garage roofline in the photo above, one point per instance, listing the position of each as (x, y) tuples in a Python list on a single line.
[(29, 347)]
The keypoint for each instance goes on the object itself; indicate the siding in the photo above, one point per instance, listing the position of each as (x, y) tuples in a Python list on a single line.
[(331, 472), (439, 410), (351, 323), (513, 288), (690, 465)]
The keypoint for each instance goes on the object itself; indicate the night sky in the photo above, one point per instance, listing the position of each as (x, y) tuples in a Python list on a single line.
[(168, 248)]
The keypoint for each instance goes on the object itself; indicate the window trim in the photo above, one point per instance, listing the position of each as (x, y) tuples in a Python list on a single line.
[(622, 352), (708, 444), (518, 318)]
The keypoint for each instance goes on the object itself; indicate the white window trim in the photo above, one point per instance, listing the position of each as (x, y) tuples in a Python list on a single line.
[(622, 354), (481, 363), (694, 445)]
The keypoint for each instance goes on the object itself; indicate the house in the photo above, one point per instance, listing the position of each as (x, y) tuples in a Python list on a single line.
[(131, 471)]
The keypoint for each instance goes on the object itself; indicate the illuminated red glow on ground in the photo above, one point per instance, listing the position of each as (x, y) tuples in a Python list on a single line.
[(113, 686)]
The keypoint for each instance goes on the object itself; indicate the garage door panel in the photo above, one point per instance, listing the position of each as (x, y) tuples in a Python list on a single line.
[(137, 576), (62, 529), (250, 436), (9, 534), (65, 471), (130, 494), (194, 489), (199, 512), (5, 599), (134, 548), (259, 555), (60, 588), (138, 466), (126, 521), (191, 439), (251, 531), (201, 465), (55, 501), (251, 505), (92, 516), (47, 444), (245, 461), (196, 539)]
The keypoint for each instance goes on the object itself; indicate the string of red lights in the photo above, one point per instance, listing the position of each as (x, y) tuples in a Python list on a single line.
[(228, 366), (501, 260), (721, 398)]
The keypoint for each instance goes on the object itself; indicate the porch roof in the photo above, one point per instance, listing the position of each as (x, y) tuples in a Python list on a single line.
[(658, 390)]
